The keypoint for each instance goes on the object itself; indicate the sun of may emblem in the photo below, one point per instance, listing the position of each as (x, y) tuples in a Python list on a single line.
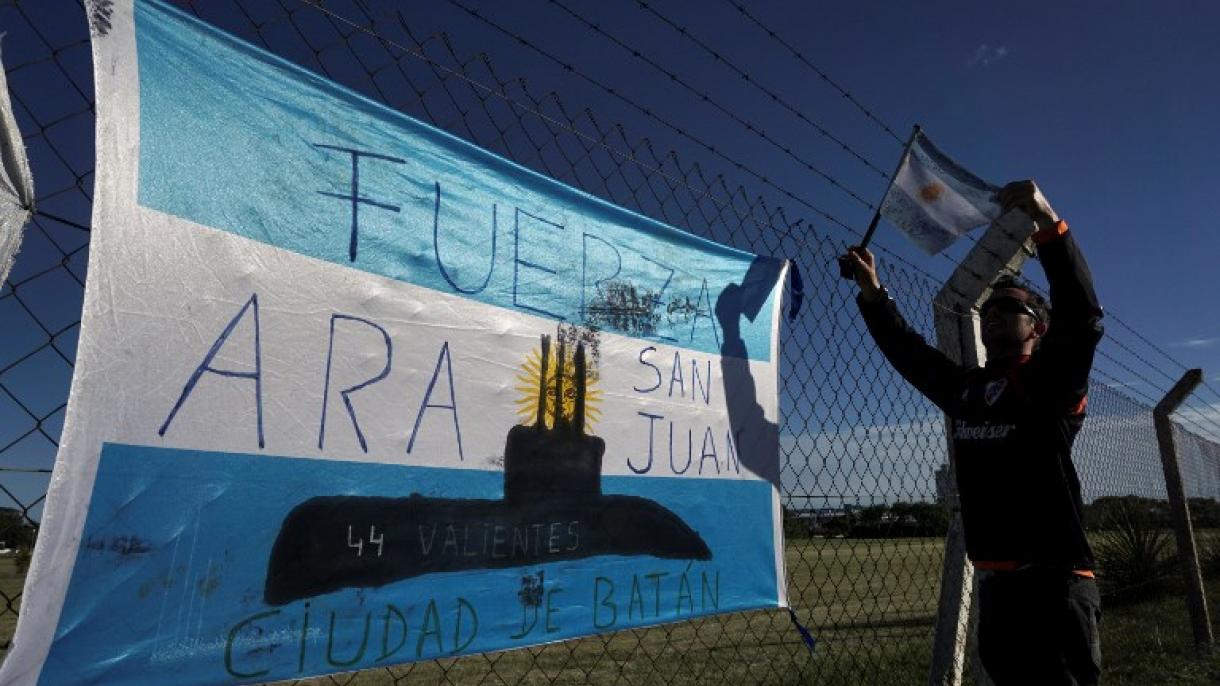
[(931, 192), (528, 382)]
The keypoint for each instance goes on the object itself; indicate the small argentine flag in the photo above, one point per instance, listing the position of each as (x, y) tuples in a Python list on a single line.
[(933, 200)]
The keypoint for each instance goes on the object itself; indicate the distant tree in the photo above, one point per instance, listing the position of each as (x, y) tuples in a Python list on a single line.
[(900, 520), (795, 526), (873, 514), (871, 521), (1106, 513), (901, 511), (931, 519), (1204, 512), (840, 526), (15, 530)]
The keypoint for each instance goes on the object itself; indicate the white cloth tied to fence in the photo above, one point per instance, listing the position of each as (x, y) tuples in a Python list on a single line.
[(16, 184)]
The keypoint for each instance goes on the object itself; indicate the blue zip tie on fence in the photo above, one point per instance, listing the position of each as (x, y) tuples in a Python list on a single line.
[(807, 637), (798, 292)]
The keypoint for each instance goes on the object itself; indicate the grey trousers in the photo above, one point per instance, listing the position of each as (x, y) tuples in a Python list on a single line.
[(1040, 626)]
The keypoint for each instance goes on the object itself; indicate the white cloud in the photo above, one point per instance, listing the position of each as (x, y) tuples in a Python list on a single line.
[(1116, 453), (1200, 417), (864, 464), (985, 55), (1196, 342)]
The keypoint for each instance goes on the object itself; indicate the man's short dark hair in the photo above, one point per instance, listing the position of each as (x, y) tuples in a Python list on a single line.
[(1035, 301)]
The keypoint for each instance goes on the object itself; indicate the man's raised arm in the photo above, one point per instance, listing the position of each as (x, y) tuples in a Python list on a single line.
[(1075, 328), (925, 367)]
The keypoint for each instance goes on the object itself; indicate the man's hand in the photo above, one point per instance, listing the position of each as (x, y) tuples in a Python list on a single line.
[(864, 269), (1025, 196)]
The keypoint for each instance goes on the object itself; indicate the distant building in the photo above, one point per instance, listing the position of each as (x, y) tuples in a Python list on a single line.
[(820, 521), (946, 490)]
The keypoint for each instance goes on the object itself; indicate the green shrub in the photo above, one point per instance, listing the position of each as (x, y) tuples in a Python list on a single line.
[(1133, 553), (1207, 543)]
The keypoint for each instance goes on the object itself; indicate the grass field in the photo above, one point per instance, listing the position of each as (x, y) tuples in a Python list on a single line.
[(869, 603), (10, 586)]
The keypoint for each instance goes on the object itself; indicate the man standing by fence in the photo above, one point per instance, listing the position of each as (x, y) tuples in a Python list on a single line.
[(1013, 423)]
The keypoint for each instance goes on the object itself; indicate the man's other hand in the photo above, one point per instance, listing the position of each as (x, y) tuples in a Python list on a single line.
[(1025, 196), (864, 269)]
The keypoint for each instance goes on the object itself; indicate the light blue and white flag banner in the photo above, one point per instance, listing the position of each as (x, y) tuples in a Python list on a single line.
[(934, 200), (352, 392)]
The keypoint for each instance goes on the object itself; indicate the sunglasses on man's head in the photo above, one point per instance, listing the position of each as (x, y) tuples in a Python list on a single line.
[(1010, 305)]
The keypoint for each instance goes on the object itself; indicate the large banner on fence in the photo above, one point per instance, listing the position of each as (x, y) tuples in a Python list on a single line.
[(351, 392)]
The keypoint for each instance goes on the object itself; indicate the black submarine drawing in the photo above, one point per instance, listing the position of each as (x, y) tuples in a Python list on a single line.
[(553, 509)]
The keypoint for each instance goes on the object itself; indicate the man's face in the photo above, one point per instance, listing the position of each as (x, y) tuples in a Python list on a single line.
[(1005, 326)]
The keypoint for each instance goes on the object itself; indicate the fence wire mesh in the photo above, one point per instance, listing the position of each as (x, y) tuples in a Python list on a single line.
[(863, 478)]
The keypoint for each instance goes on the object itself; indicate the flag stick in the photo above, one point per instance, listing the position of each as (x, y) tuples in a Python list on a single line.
[(845, 268)]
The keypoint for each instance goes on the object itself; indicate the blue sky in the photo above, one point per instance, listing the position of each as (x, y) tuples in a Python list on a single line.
[(1109, 106)]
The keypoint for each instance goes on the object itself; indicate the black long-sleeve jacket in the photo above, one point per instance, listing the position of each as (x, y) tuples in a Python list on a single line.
[(1014, 421)]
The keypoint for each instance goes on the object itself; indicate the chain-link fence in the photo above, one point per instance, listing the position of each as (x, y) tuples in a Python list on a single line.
[(863, 477)]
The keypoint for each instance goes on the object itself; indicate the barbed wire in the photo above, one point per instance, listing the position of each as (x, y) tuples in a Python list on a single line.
[(316, 4), (681, 131), (674, 77), (821, 74), (1117, 386), (720, 59), (772, 94), (848, 97), (567, 66), (1101, 352), (885, 127), (534, 111), (1160, 388), (1207, 385)]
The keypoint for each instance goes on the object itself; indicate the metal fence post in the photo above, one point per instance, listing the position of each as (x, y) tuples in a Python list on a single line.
[(1188, 555), (1002, 248)]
